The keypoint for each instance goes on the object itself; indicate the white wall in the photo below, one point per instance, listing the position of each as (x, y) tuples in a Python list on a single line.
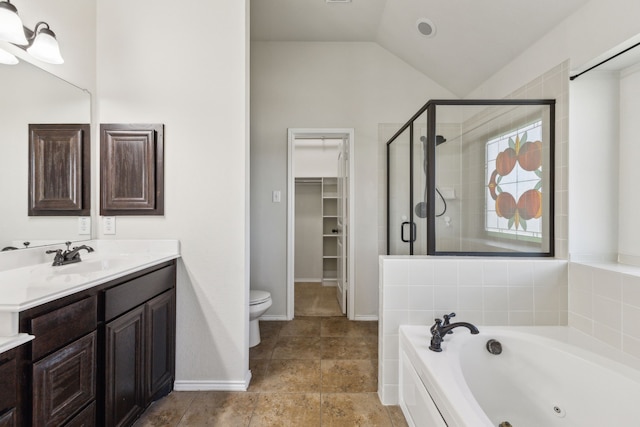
[(315, 161), (330, 85), (308, 230), (629, 205), (595, 28), (593, 160), (187, 67)]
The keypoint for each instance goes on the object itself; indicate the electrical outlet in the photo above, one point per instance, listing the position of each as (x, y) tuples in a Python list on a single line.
[(109, 224), (84, 225)]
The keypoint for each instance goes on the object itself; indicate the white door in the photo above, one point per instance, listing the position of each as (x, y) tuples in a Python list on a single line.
[(343, 224)]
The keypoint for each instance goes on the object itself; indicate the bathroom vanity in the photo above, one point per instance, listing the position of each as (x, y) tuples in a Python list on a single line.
[(95, 343)]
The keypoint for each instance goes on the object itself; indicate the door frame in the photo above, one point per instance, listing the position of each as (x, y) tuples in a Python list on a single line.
[(292, 135)]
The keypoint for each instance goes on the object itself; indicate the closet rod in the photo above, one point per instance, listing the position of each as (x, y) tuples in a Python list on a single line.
[(602, 62)]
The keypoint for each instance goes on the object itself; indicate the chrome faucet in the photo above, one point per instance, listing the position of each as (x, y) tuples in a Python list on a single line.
[(439, 330), (69, 256)]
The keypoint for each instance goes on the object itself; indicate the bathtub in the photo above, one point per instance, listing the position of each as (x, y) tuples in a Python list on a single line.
[(544, 377)]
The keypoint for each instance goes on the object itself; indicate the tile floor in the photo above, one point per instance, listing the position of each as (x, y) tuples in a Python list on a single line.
[(313, 299), (311, 371)]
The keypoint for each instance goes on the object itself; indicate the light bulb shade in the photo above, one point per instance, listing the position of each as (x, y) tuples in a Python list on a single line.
[(7, 58), (45, 47), (11, 29)]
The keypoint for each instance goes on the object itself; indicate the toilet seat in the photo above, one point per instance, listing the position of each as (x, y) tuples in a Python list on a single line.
[(258, 297)]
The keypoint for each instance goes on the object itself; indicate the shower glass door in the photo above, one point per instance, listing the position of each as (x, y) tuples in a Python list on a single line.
[(399, 196), (407, 189)]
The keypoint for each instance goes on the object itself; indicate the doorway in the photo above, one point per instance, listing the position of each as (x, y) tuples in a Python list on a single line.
[(334, 187)]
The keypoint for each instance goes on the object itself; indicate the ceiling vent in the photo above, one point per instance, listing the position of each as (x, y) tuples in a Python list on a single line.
[(338, 1), (426, 27)]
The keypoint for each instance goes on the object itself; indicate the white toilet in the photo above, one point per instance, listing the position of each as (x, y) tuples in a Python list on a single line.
[(259, 302)]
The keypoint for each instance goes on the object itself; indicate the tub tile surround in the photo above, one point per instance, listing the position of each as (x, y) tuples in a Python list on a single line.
[(484, 291), (604, 302)]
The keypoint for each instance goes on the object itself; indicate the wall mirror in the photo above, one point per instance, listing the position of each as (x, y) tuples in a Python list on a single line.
[(32, 95)]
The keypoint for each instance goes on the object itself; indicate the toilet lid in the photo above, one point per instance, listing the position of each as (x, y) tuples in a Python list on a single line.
[(258, 297)]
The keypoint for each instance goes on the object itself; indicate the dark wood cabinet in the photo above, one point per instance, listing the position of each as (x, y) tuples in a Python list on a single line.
[(9, 418), (160, 339), (59, 169), (64, 382), (9, 387), (124, 368), (100, 356), (139, 345), (132, 169), (86, 418)]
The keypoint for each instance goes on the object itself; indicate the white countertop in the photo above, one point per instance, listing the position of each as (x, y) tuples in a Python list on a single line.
[(7, 343), (33, 284)]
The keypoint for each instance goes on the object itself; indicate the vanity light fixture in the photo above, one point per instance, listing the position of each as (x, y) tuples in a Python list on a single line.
[(44, 46), (41, 43), (11, 28)]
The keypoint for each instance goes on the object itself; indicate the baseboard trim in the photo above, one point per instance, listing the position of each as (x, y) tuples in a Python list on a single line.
[(361, 318), (270, 317), (303, 280), (213, 385), (368, 318)]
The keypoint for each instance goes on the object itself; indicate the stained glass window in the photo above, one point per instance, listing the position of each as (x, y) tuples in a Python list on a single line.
[(514, 184)]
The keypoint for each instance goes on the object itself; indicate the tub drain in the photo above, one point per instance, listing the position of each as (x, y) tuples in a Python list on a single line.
[(505, 424), (558, 411), (494, 347)]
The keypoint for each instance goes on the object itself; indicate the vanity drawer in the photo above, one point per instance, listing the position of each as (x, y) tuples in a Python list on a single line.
[(61, 326), (124, 297), (64, 382)]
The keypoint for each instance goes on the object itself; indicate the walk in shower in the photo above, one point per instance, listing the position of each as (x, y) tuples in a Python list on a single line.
[(473, 177)]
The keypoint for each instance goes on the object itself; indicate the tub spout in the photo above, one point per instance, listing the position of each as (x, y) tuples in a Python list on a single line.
[(438, 331)]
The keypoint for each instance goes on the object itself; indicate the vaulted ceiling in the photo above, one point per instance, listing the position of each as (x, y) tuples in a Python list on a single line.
[(473, 38)]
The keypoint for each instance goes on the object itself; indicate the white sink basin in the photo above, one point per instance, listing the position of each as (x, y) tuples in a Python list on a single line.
[(88, 268), (92, 266)]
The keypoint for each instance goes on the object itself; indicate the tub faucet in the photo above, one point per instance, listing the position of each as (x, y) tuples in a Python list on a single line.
[(439, 330)]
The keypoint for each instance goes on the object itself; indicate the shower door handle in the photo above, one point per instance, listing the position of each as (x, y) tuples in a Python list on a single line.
[(413, 232)]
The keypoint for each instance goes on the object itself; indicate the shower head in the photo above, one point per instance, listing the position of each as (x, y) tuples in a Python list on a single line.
[(439, 139)]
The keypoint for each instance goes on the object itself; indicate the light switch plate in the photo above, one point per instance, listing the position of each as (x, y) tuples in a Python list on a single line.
[(84, 225), (275, 196), (109, 224)]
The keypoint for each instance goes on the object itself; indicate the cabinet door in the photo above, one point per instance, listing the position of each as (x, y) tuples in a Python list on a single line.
[(9, 419), (124, 366), (86, 418), (160, 318), (64, 382), (132, 169), (8, 383)]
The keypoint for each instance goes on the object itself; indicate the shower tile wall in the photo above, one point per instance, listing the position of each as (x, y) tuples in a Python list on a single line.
[(604, 302), (484, 291)]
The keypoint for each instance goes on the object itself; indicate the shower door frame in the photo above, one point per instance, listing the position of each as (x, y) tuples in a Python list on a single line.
[(430, 108)]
